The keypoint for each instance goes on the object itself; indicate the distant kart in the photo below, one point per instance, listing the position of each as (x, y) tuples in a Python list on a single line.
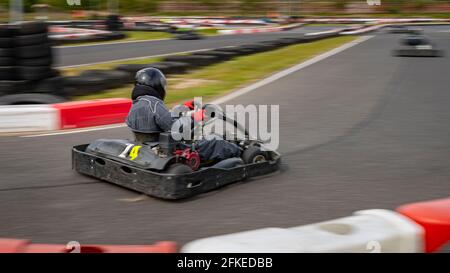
[(188, 35), (416, 46), (399, 29), (170, 169)]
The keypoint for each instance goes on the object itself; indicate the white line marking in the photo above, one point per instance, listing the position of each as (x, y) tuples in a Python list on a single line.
[(137, 58), (288, 71), (239, 92), (65, 132)]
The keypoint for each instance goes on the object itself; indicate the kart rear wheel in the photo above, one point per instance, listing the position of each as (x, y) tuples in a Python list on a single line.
[(178, 168), (253, 154)]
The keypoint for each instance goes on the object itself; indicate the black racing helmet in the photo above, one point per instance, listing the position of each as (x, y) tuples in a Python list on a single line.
[(153, 78)]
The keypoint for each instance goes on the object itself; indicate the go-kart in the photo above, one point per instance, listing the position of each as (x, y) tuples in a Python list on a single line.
[(416, 46), (171, 169), (399, 29), (188, 35)]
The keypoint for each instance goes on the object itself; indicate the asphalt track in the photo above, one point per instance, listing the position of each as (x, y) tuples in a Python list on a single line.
[(78, 55), (359, 130)]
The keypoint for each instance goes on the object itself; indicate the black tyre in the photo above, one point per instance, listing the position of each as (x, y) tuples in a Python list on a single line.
[(287, 41), (220, 55), (34, 73), (196, 60), (271, 45), (113, 36), (30, 99), (34, 51), (12, 87), (6, 52), (171, 67), (6, 61), (132, 68), (253, 48), (54, 86), (40, 61), (34, 39), (178, 168), (6, 42), (79, 85), (8, 73), (113, 78), (6, 31), (253, 154), (31, 28), (239, 51)]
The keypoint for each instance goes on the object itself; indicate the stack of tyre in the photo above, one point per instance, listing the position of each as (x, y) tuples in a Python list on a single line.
[(113, 22), (7, 59), (26, 73)]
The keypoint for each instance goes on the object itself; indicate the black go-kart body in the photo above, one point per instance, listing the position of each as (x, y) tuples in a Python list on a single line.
[(188, 35), (169, 169), (416, 46)]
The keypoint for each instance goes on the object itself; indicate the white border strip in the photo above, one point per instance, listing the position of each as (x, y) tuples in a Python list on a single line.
[(288, 71)]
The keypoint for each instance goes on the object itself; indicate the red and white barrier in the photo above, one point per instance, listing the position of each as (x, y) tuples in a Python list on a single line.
[(25, 246), (60, 116), (258, 30), (80, 114), (28, 118), (57, 33), (419, 227)]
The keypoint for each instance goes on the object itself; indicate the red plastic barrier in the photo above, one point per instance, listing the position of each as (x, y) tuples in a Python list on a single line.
[(24, 246), (434, 217), (13, 245), (92, 113)]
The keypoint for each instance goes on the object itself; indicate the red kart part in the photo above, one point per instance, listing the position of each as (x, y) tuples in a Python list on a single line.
[(189, 104), (192, 158), (434, 217)]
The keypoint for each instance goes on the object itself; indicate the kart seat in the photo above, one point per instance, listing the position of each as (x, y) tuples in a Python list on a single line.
[(146, 137)]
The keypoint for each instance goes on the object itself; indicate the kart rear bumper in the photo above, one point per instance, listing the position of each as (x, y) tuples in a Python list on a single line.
[(166, 186)]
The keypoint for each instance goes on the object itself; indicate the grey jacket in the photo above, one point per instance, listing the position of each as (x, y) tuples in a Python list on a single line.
[(148, 114)]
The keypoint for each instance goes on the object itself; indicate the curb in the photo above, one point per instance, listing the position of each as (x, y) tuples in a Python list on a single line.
[(25, 246), (60, 116), (412, 228)]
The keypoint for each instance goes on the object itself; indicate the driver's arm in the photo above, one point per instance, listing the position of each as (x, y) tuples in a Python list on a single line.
[(163, 117)]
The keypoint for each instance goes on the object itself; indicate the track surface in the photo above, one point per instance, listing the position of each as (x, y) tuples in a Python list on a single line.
[(359, 130), (68, 56)]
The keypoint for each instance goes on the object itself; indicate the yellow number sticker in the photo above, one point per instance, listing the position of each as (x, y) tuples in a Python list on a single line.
[(134, 152)]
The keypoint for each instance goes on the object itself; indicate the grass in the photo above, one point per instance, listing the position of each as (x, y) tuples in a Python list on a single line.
[(208, 31), (216, 80), (131, 36)]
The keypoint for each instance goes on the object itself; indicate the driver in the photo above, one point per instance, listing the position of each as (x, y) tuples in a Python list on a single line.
[(149, 116)]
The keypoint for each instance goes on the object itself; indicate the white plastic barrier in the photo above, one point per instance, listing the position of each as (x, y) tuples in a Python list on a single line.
[(25, 118), (365, 231)]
